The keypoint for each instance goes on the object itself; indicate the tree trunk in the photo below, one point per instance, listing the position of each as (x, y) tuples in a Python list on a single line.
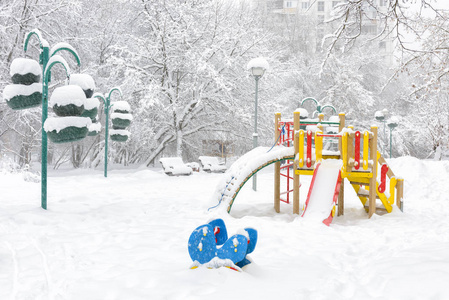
[(179, 138)]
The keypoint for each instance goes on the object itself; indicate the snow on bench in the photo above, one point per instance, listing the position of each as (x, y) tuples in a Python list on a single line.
[(174, 166), (211, 164)]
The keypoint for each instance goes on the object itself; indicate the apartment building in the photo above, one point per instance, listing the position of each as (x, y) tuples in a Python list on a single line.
[(318, 12)]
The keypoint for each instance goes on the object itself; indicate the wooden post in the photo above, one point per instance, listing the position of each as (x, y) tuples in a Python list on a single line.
[(320, 117), (372, 181), (277, 167), (350, 144), (296, 183), (400, 193), (340, 128), (341, 195)]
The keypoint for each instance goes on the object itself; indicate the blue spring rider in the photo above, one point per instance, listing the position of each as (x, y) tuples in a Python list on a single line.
[(209, 245)]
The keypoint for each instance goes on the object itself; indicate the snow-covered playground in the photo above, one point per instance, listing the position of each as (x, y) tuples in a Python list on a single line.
[(125, 237)]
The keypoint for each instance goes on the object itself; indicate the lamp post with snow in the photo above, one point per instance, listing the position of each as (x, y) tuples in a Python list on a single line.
[(107, 106), (392, 123), (257, 66), (381, 117), (48, 59)]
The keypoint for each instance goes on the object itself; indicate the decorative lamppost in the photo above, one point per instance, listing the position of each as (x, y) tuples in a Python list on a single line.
[(381, 117), (258, 66), (392, 123), (48, 58), (107, 106)]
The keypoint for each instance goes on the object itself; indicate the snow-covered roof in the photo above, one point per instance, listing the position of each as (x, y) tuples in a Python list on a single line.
[(85, 81), (13, 90), (59, 123), (67, 94), (258, 62), (24, 66)]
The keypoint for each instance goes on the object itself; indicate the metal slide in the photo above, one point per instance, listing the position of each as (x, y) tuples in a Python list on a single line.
[(323, 191)]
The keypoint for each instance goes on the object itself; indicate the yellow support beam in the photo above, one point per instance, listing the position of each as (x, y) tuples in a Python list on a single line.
[(356, 174), (304, 172), (318, 146), (301, 149)]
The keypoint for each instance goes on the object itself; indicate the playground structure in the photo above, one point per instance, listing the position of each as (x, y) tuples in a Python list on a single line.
[(357, 160)]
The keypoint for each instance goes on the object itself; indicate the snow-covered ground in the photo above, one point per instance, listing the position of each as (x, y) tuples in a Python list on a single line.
[(125, 237)]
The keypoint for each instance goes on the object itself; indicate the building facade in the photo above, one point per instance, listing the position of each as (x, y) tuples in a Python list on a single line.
[(318, 14)]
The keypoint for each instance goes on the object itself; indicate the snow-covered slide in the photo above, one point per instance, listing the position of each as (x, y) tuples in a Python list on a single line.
[(244, 168), (323, 191)]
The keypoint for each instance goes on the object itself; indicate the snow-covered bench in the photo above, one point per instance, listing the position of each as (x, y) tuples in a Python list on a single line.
[(174, 166), (194, 165), (211, 164)]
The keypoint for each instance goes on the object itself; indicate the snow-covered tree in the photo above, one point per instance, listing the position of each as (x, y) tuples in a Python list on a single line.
[(185, 65)]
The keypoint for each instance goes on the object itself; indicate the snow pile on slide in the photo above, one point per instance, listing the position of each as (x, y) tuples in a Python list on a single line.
[(244, 167), (321, 195)]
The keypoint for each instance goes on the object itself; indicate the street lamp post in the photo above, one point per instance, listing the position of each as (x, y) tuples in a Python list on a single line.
[(107, 106), (381, 117), (392, 124), (48, 59), (258, 66)]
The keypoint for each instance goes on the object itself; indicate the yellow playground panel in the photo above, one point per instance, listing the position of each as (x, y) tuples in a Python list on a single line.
[(362, 164)]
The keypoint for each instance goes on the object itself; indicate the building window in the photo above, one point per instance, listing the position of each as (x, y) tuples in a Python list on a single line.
[(382, 45), (278, 4), (288, 4), (320, 19), (334, 3), (382, 3), (305, 5), (369, 29), (320, 5)]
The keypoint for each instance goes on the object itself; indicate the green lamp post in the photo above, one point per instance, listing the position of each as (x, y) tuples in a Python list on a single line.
[(392, 123), (107, 106), (48, 59), (257, 66), (381, 117)]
